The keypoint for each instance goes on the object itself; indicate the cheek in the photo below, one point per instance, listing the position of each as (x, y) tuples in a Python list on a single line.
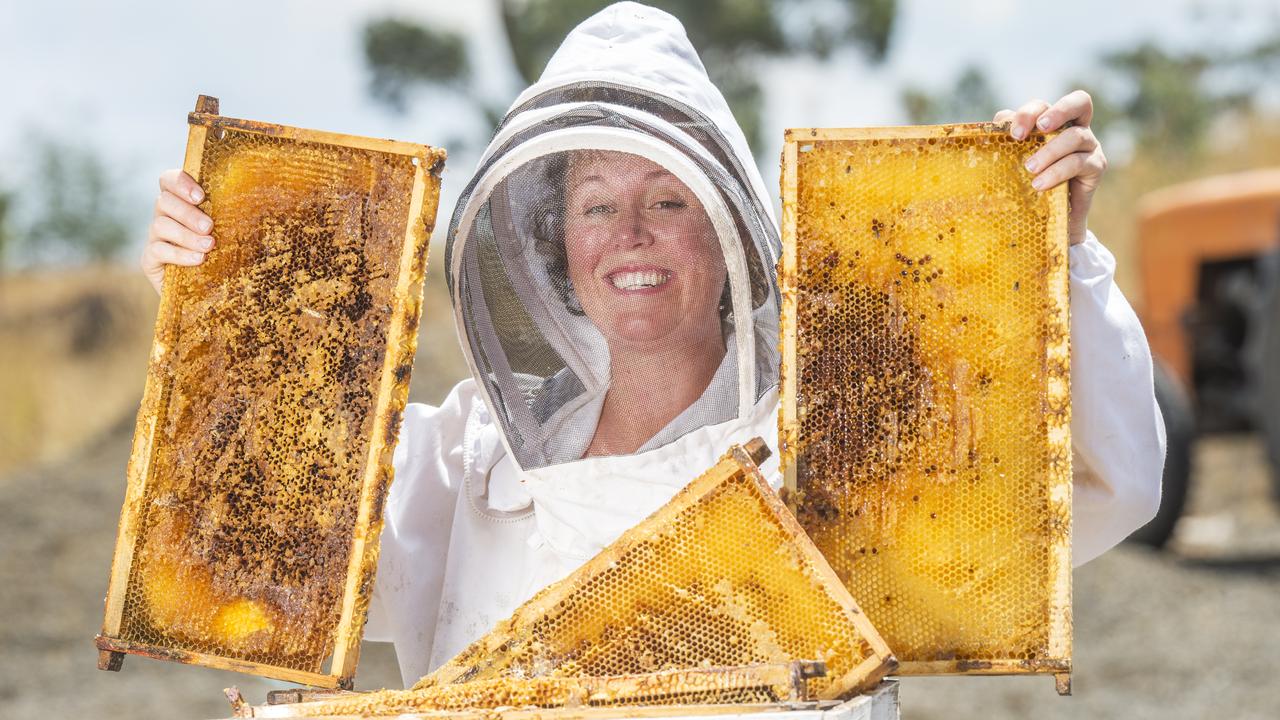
[(584, 254), (581, 254), (700, 252)]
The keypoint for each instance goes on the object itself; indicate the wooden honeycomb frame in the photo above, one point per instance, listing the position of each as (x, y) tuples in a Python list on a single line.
[(880, 703), (399, 315), (799, 145), (797, 603), (750, 684)]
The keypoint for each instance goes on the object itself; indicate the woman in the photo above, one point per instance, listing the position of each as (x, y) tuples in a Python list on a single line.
[(643, 263), (611, 268)]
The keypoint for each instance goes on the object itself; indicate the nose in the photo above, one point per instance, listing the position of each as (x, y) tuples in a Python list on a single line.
[(632, 230)]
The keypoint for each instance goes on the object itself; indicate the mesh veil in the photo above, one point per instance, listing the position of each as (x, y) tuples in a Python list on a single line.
[(643, 202)]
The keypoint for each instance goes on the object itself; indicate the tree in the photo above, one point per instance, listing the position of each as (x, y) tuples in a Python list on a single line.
[(1167, 101), (972, 99), (6, 233), (400, 54), (733, 37), (1163, 98), (75, 211)]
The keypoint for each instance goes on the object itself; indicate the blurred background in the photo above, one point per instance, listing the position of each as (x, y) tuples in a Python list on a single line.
[(1184, 621)]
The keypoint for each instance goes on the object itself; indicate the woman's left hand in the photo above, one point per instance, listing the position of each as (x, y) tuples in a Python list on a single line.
[(1074, 156)]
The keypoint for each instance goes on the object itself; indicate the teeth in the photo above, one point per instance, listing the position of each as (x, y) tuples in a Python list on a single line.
[(639, 280)]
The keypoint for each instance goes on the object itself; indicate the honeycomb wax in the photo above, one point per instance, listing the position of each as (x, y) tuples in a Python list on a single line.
[(752, 684), (720, 576), (278, 374), (926, 399)]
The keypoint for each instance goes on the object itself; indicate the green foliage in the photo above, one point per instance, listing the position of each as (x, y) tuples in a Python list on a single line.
[(971, 99), (731, 35), (872, 26), (535, 28), (400, 54), (72, 205), (6, 233), (1163, 96), (1169, 100)]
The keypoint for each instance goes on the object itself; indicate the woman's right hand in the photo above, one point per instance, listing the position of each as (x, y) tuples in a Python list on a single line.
[(180, 231)]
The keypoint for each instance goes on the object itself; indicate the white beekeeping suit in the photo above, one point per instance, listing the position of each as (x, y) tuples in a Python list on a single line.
[(493, 499)]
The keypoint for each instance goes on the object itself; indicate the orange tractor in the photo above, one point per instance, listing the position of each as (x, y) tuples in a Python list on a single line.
[(1209, 255)]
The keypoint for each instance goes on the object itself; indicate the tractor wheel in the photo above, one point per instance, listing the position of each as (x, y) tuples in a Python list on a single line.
[(1269, 371), (1180, 432)]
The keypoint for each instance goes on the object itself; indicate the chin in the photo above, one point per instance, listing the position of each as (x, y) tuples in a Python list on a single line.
[(649, 332), (641, 331)]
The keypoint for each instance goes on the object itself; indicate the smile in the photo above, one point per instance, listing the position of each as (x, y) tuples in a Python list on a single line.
[(639, 279)]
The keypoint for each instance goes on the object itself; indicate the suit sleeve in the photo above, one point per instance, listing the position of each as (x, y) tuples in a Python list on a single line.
[(1118, 436), (417, 522)]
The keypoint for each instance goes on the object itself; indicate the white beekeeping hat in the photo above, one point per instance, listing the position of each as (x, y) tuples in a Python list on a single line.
[(617, 205)]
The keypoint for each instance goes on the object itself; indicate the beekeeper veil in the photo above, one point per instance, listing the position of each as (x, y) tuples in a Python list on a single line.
[(617, 210)]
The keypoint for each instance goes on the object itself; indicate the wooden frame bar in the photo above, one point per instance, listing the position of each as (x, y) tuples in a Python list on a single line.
[(779, 682), (878, 703)]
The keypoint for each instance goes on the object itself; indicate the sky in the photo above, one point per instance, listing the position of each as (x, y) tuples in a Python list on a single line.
[(121, 76)]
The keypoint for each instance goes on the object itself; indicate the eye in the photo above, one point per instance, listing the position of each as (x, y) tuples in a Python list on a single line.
[(601, 209), (668, 205)]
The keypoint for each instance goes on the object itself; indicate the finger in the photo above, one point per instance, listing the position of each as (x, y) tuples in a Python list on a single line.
[(1076, 106), (1024, 119), (188, 215), (1073, 139), (161, 253), (1003, 116), (179, 183), (169, 230), (1061, 171)]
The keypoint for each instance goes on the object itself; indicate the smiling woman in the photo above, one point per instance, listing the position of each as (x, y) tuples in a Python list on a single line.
[(631, 247), (611, 267), (642, 254), (614, 280)]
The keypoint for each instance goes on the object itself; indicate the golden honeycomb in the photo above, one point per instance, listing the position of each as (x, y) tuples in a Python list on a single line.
[(279, 372), (757, 684), (926, 402), (720, 576)]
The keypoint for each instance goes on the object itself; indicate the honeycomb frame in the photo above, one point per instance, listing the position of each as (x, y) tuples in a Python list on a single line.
[(311, 703), (386, 309), (548, 636), (769, 684), (818, 164)]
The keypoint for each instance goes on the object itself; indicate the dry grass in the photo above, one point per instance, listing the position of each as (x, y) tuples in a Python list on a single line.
[(73, 346)]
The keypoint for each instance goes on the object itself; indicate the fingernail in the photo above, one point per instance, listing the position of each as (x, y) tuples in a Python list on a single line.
[(196, 257), (1043, 122), (1017, 132), (1031, 164), (197, 195), (205, 224), (206, 243), (1038, 183)]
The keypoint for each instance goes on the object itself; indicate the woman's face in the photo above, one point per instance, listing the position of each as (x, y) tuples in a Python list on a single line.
[(643, 256)]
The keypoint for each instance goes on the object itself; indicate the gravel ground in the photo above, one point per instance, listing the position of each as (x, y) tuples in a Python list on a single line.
[(1188, 634)]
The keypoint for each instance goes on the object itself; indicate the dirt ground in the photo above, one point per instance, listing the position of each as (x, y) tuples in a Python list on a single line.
[(1188, 634)]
